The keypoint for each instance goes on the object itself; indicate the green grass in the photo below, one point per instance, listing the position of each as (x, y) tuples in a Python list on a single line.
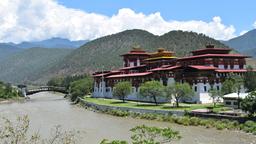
[(152, 106)]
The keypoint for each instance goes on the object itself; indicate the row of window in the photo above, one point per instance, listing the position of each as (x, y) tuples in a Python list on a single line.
[(205, 88)]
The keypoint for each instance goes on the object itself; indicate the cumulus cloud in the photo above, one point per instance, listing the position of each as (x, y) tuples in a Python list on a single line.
[(25, 20), (254, 25)]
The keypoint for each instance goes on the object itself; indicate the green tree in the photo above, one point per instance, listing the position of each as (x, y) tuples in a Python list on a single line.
[(233, 84), (81, 87), (228, 86), (215, 95), (57, 81), (7, 91), (249, 103), (122, 90), (179, 91), (152, 89), (250, 79)]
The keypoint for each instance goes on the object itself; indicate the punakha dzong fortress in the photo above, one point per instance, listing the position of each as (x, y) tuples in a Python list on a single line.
[(206, 68)]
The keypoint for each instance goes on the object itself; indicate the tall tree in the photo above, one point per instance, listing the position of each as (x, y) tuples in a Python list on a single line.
[(179, 91), (122, 90), (249, 103), (228, 87), (215, 95), (250, 79), (81, 87), (152, 89)]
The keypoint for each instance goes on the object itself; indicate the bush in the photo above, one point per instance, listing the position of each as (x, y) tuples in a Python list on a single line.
[(7, 91), (194, 121), (249, 127)]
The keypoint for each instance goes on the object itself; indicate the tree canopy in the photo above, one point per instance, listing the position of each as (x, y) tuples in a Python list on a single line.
[(122, 90), (179, 91), (152, 89), (215, 95), (250, 79), (81, 87), (249, 103)]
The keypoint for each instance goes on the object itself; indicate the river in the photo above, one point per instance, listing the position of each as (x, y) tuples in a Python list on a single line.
[(47, 110)]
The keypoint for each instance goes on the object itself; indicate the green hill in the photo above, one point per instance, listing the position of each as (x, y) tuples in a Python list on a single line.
[(6, 50), (30, 64), (245, 44), (106, 51)]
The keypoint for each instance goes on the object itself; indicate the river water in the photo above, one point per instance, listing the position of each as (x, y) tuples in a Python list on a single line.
[(47, 110)]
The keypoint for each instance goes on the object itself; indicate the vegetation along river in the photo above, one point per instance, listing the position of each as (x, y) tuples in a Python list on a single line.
[(47, 110)]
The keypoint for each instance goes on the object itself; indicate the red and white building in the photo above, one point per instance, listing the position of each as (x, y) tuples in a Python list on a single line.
[(206, 68)]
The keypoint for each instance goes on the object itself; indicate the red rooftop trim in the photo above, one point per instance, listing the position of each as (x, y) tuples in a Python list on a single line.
[(133, 67), (214, 55), (200, 67), (210, 49), (130, 75), (164, 68), (230, 70), (104, 74)]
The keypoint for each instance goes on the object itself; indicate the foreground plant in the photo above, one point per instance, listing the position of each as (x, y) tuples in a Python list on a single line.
[(149, 135), (17, 133)]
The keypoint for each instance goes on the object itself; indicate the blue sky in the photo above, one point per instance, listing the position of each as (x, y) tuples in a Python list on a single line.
[(240, 13), (34, 20)]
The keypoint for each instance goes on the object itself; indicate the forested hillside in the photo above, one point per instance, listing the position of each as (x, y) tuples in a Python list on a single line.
[(6, 50), (106, 51), (30, 64)]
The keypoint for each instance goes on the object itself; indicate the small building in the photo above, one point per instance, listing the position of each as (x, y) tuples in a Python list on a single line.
[(232, 99)]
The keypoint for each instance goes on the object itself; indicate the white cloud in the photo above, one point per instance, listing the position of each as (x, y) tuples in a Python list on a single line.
[(243, 32), (24, 20), (254, 25)]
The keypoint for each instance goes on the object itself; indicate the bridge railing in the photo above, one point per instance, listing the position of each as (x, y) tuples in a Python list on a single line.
[(46, 88)]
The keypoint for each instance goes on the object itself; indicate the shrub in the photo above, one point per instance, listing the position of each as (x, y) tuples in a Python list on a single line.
[(194, 121), (249, 127)]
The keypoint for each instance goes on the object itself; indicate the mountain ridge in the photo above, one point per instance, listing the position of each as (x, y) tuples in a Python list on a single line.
[(245, 43)]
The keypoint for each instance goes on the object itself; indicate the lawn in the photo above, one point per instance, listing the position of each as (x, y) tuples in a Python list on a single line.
[(166, 106)]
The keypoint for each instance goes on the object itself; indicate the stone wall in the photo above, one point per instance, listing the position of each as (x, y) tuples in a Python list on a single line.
[(135, 110)]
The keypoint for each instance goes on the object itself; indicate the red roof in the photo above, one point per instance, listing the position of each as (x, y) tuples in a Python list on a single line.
[(218, 49), (104, 74), (200, 67), (130, 75), (230, 70), (214, 55), (165, 68), (133, 67)]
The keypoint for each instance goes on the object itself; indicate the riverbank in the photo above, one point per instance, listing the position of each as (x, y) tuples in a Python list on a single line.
[(152, 106), (170, 116), (12, 100)]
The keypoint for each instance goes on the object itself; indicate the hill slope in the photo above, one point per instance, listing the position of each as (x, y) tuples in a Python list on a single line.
[(7, 50), (245, 44), (107, 50), (30, 64)]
